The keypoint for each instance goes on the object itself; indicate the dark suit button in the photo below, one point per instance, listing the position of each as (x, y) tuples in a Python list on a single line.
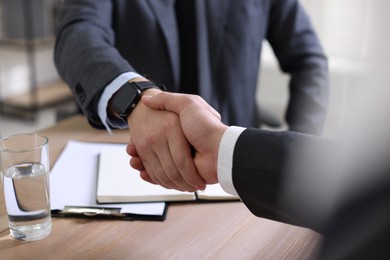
[(80, 93)]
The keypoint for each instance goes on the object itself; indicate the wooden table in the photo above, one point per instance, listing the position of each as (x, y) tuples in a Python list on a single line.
[(222, 230)]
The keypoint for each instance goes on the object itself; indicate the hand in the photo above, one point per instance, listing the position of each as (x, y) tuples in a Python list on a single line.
[(201, 125), (160, 150)]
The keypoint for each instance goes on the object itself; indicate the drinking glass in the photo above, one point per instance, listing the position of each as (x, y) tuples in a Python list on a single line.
[(24, 169)]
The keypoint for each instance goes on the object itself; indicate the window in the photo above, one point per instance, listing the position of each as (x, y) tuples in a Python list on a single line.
[(349, 29)]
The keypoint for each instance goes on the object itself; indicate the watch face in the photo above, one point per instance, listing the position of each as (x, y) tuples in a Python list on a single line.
[(125, 99)]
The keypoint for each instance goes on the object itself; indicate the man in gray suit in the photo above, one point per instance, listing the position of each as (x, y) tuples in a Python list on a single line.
[(211, 48)]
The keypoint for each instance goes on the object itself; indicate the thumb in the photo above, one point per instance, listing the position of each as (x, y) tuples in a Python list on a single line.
[(147, 100), (163, 101)]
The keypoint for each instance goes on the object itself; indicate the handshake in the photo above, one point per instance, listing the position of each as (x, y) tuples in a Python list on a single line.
[(164, 155)]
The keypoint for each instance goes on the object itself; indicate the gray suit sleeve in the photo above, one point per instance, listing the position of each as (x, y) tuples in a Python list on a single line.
[(85, 55), (300, 54)]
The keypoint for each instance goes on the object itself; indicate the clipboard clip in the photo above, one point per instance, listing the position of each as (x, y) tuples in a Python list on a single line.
[(92, 212)]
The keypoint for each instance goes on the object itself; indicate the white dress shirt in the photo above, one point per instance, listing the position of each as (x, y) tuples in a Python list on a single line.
[(225, 158)]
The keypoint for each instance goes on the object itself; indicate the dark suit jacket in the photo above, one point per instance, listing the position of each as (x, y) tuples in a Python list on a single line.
[(290, 177), (99, 39)]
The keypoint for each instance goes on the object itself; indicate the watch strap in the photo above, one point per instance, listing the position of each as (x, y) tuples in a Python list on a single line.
[(144, 85)]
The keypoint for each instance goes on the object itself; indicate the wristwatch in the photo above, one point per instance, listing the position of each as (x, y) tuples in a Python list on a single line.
[(128, 96)]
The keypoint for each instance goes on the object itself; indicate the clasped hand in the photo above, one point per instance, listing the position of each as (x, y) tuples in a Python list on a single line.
[(161, 148)]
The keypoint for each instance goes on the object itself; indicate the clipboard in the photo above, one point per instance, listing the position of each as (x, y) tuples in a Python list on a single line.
[(73, 182), (105, 213)]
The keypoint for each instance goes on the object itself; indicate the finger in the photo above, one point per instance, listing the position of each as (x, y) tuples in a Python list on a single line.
[(164, 101), (157, 173), (131, 150), (136, 163), (151, 166), (152, 176), (171, 176), (183, 159), (148, 161), (144, 176)]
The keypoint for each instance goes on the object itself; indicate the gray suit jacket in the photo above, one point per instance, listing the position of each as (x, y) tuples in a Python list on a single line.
[(99, 39)]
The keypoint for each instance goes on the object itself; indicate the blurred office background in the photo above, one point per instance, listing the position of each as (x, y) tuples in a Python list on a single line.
[(33, 97)]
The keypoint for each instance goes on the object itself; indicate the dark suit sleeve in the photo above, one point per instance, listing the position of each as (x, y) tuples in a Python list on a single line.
[(275, 172), (85, 56), (300, 54), (269, 168)]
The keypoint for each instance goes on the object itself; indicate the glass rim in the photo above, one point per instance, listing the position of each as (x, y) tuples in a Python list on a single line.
[(8, 150)]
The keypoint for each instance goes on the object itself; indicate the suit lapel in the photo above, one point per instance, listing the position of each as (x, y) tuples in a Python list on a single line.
[(165, 13)]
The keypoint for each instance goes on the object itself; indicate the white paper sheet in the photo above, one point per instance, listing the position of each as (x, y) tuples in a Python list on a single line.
[(73, 180)]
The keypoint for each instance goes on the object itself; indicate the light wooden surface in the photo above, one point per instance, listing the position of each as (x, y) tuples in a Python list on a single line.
[(224, 230)]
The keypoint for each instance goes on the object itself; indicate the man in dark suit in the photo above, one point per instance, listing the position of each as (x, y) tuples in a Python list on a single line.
[(211, 48), (340, 189)]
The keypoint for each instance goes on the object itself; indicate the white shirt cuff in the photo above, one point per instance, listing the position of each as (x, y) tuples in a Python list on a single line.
[(225, 158), (107, 94)]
